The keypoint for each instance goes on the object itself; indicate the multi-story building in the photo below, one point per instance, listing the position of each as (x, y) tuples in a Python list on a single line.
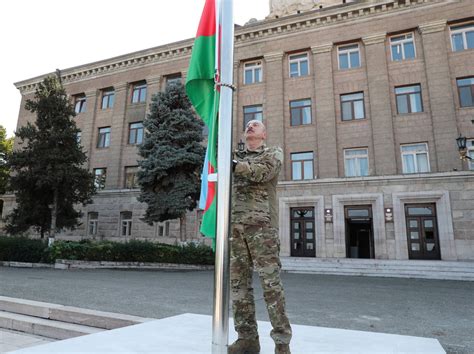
[(366, 98)]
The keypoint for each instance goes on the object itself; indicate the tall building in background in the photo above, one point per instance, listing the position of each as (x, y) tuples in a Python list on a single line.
[(366, 98)]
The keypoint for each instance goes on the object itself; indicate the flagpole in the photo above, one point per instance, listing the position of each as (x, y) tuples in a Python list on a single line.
[(220, 321)]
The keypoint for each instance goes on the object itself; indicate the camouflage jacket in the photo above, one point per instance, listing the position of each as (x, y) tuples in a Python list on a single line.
[(254, 186)]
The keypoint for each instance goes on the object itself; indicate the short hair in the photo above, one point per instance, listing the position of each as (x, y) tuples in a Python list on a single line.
[(259, 122)]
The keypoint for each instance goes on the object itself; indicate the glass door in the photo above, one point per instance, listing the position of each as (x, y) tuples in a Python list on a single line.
[(422, 233), (302, 232)]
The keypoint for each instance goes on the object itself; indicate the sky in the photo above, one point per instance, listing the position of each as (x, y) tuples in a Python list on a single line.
[(40, 36)]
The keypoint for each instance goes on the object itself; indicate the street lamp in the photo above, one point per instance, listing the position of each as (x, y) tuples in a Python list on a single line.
[(461, 141), (241, 145)]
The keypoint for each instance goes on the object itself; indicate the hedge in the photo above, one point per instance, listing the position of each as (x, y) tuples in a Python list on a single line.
[(22, 249)]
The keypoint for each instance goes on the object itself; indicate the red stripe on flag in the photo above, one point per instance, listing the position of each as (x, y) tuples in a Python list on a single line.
[(207, 25), (211, 189)]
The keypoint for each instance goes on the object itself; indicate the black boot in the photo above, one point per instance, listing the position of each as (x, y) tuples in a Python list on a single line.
[(244, 346)]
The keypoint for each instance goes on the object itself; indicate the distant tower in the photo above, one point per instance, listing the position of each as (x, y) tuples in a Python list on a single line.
[(280, 8)]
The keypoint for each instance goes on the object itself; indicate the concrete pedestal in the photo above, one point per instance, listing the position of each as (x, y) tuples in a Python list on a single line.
[(189, 333)]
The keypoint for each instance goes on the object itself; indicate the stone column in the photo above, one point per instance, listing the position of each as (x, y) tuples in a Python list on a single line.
[(88, 118), (380, 107), (116, 145), (326, 155), (440, 92), (274, 114)]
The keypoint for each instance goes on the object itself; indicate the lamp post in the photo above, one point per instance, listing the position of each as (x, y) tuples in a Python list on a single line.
[(461, 142), (241, 145)]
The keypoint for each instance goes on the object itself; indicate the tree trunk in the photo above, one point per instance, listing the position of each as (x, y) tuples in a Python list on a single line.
[(54, 217), (182, 228)]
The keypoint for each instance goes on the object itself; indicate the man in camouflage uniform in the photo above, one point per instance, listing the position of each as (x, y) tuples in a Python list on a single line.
[(255, 242)]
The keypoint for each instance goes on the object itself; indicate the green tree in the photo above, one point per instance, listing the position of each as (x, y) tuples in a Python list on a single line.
[(172, 157), (48, 177), (6, 147)]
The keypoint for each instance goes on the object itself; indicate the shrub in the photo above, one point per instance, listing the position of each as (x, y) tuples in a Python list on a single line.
[(27, 250), (23, 249)]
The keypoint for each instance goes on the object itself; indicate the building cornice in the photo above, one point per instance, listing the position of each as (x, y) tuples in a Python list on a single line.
[(373, 180), (277, 56), (431, 27), (374, 38), (260, 30), (323, 48)]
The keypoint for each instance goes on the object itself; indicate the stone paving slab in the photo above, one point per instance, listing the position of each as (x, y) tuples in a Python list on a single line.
[(11, 340), (190, 333)]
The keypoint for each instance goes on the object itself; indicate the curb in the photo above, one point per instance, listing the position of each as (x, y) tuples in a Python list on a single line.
[(13, 264), (64, 264)]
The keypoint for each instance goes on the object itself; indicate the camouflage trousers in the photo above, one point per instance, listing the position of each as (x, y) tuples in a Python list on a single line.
[(257, 246)]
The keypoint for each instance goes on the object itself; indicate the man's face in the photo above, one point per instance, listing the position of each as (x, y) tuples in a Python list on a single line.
[(255, 130)]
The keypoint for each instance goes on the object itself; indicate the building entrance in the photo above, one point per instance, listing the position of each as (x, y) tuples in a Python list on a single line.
[(359, 232), (422, 231), (302, 232)]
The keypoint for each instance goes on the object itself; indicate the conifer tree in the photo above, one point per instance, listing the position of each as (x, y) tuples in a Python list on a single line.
[(6, 147), (172, 157), (48, 174)]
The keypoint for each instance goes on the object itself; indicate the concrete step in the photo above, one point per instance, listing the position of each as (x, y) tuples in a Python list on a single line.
[(447, 270), (68, 314), (43, 327)]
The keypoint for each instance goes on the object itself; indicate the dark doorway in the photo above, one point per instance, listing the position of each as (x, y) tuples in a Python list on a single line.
[(302, 232), (359, 232), (422, 231)]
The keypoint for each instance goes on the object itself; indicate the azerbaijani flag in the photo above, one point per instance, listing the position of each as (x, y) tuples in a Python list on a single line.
[(205, 99)]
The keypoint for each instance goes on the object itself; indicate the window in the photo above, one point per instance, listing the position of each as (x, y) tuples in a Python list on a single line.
[(131, 177), (79, 137), (103, 139), (126, 223), (135, 133), (300, 112), (139, 93), (252, 72), (349, 56), (356, 162), (415, 158), (352, 106), (92, 223), (462, 37), (470, 153), (403, 47), (298, 65), (100, 175), (80, 103), (108, 98), (164, 229), (253, 113), (173, 79), (466, 91), (302, 166), (408, 99)]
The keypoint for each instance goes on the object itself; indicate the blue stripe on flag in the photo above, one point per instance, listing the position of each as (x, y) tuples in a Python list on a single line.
[(204, 179)]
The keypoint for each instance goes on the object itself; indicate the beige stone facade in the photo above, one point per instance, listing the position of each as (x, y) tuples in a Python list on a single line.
[(323, 57)]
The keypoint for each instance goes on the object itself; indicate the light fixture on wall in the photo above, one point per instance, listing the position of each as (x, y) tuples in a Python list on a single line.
[(461, 141), (388, 214), (328, 215)]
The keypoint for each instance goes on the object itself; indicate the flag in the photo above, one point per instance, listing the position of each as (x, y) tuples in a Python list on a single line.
[(204, 97)]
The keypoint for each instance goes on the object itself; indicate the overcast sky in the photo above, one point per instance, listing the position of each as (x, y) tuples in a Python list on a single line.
[(38, 36)]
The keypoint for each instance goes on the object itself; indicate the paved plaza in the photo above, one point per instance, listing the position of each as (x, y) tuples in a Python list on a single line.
[(10, 340), (425, 308)]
